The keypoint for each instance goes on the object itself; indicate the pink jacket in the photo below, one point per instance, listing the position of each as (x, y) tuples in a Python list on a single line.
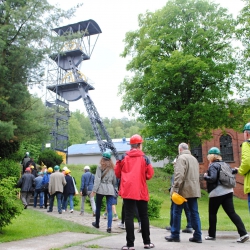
[(133, 170)]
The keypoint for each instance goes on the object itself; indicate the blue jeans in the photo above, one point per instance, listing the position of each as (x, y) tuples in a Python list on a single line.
[(59, 201), (36, 193), (109, 200), (195, 219), (187, 213), (65, 201)]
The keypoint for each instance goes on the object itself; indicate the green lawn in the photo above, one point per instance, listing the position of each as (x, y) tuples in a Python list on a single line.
[(33, 223)]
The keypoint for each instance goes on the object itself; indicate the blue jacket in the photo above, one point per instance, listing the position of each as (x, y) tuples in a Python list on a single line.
[(46, 178), (87, 179)]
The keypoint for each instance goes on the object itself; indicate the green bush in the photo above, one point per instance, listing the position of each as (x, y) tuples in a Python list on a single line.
[(50, 158), (93, 168), (9, 168), (154, 207), (7, 148), (10, 205), (169, 168)]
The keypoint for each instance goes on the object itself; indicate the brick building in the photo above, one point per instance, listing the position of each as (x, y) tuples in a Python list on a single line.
[(229, 144)]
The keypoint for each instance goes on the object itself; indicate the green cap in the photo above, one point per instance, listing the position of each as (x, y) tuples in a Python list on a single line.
[(247, 127), (56, 167), (106, 155), (214, 150)]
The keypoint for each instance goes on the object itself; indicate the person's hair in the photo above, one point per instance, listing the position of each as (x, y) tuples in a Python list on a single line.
[(135, 145), (106, 164), (214, 157), (183, 145)]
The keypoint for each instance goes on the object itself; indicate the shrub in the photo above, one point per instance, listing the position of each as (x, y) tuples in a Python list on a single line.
[(9, 168), (154, 207), (50, 158), (169, 168), (10, 205), (93, 168)]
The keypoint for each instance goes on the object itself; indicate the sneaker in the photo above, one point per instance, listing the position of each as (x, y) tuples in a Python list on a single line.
[(243, 238), (109, 230), (170, 239), (115, 217), (71, 211), (105, 215), (63, 210), (82, 213), (210, 238), (187, 230), (121, 225)]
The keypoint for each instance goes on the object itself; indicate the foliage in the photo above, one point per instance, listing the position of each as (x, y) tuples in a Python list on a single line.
[(93, 168), (25, 31), (10, 206), (7, 148), (168, 168), (184, 69), (154, 207), (81, 131), (9, 168), (50, 158)]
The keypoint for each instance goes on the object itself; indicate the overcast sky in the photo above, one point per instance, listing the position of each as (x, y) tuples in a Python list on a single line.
[(106, 68)]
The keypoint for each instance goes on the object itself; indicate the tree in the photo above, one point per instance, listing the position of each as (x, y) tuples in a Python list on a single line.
[(184, 69), (25, 31)]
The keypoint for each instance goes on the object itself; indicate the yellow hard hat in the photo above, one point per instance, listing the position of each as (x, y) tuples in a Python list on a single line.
[(67, 171), (178, 199), (50, 170)]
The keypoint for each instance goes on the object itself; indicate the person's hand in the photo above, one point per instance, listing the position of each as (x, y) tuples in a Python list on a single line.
[(92, 194), (237, 168), (80, 193)]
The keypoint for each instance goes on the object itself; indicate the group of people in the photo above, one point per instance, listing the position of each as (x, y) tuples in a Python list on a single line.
[(132, 171)]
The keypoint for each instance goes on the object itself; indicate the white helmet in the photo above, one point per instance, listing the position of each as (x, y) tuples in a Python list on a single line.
[(65, 168), (86, 168)]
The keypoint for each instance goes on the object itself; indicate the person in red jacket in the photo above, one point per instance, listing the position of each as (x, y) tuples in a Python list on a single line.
[(133, 169)]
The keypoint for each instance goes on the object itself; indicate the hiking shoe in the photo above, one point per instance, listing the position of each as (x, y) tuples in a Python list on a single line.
[(187, 230), (121, 225), (105, 215), (210, 238), (109, 230), (94, 225), (93, 214), (243, 238), (115, 217), (82, 213), (168, 228), (195, 240), (170, 239)]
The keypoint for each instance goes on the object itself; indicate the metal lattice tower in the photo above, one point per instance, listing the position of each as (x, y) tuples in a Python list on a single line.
[(66, 83)]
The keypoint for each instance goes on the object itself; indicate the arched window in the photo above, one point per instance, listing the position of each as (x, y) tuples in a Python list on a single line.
[(196, 151), (226, 148)]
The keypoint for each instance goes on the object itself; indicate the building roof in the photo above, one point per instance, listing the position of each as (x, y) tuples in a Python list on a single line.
[(91, 147)]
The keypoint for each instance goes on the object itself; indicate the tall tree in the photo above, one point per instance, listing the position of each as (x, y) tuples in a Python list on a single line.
[(25, 30), (184, 68)]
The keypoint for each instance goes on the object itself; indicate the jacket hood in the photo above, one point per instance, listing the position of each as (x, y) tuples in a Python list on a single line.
[(134, 153)]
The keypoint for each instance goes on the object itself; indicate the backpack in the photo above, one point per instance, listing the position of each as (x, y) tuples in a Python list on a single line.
[(226, 177)]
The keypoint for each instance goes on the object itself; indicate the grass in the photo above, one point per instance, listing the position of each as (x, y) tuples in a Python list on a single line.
[(33, 223)]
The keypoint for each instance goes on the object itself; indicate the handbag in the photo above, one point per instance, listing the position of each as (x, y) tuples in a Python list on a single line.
[(45, 187), (85, 189), (76, 191)]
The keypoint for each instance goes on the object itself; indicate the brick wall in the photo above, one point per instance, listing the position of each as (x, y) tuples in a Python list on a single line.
[(237, 139)]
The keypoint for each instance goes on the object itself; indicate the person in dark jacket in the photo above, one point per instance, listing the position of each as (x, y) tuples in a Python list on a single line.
[(45, 181), (27, 184), (88, 180), (220, 195), (68, 192)]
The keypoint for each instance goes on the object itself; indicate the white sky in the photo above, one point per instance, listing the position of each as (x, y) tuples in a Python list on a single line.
[(106, 68)]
